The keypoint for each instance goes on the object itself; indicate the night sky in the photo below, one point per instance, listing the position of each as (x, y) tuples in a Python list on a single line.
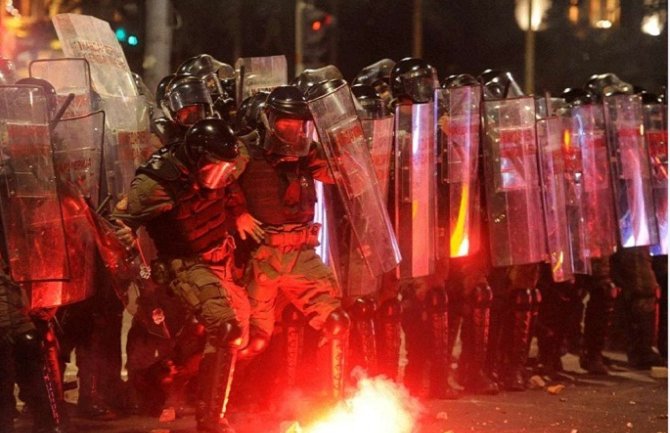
[(460, 36)]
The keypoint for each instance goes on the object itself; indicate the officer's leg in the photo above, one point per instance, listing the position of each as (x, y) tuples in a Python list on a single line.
[(440, 359), (474, 337), (363, 334), (388, 329), (598, 317)]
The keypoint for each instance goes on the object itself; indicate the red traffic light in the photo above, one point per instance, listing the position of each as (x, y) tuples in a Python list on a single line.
[(316, 25)]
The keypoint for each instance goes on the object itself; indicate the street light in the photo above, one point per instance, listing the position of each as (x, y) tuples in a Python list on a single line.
[(530, 18), (655, 17)]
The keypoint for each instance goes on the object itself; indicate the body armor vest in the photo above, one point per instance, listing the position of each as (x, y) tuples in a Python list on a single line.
[(282, 194), (197, 223)]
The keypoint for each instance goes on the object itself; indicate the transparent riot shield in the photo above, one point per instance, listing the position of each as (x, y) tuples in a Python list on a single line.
[(68, 76), (413, 197), (631, 173), (379, 134), (29, 199), (78, 159), (516, 226), (87, 37), (343, 141), (576, 207), (78, 153), (458, 199), (588, 132), (255, 74), (656, 134), (128, 141), (552, 175)]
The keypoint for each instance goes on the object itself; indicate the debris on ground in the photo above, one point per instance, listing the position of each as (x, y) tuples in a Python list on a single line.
[(555, 389)]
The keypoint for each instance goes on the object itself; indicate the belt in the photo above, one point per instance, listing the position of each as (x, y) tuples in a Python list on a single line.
[(303, 235)]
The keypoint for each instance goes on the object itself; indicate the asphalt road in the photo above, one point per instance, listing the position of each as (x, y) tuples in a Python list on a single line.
[(627, 401)]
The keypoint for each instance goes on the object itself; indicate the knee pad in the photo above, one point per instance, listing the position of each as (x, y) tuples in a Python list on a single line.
[(362, 309), (258, 342), (522, 299), (337, 323), (229, 335), (482, 296), (436, 300)]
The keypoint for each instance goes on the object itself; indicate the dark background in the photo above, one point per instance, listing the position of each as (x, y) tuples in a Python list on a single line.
[(459, 36)]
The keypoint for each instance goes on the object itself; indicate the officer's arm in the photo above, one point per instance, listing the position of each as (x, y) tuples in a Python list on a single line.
[(318, 164), (147, 199)]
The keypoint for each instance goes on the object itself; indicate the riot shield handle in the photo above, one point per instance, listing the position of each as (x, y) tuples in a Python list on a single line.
[(61, 112)]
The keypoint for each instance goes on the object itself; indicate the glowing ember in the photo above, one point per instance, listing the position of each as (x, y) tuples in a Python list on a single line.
[(379, 405)]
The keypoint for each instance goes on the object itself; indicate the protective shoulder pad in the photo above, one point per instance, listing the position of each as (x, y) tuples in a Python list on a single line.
[(160, 166)]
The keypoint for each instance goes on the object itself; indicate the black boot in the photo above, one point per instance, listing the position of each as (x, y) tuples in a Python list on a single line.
[(334, 352), (517, 336), (642, 353), (474, 337), (36, 386), (215, 378), (293, 322), (597, 322), (214, 381), (388, 338), (417, 344), (440, 359), (363, 333)]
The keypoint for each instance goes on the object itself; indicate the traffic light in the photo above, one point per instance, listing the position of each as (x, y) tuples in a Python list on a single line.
[(123, 36), (318, 37)]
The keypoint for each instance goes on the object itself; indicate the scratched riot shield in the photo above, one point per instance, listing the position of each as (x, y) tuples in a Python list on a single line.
[(255, 74), (78, 154), (588, 132), (68, 76), (576, 207), (413, 188), (128, 141), (514, 203), (77, 146), (656, 134), (631, 174), (552, 176), (458, 199), (29, 200), (379, 135), (343, 141)]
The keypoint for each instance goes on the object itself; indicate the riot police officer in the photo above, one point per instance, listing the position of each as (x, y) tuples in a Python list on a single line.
[(184, 200), (278, 185)]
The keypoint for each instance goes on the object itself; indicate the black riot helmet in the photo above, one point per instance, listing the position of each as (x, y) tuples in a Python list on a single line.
[(210, 148), (577, 96), (378, 71), (188, 100), (161, 89), (249, 113), (288, 123), (311, 77), (413, 80), (371, 105), (49, 93), (7, 72), (459, 80), (499, 85), (204, 67), (608, 84)]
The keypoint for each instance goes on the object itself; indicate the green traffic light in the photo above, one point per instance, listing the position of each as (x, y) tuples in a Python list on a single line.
[(133, 40), (121, 34)]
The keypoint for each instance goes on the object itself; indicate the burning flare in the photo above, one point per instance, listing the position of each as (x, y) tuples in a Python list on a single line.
[(379, 405)]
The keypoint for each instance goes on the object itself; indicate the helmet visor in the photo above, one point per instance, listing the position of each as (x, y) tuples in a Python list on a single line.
[(215, 173), (186, 95), (419, 87), (190, 114), (289, 136)]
